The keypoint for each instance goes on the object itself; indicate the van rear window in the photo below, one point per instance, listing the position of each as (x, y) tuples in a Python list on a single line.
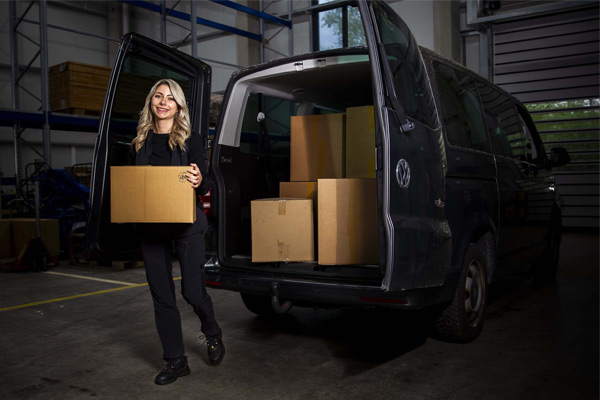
[(461, 110)]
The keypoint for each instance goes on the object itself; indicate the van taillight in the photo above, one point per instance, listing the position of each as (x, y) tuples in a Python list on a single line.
[(207, 203)]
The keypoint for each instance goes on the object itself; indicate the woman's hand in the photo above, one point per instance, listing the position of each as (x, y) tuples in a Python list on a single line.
[(194, 176)]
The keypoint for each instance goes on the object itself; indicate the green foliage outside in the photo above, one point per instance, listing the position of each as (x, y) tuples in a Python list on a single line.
[(574, 125), (333, 19)]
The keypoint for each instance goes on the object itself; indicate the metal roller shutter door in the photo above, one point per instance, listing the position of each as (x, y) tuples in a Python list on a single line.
[(551, 63)]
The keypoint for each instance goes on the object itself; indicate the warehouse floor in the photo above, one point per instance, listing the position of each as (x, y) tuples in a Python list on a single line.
[(82, 332)]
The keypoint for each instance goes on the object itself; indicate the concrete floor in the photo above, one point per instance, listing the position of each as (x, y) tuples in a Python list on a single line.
[(539, 342)]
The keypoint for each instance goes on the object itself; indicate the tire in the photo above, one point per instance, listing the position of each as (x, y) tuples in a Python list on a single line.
[(259, 305), (544, 268), (463, 319)]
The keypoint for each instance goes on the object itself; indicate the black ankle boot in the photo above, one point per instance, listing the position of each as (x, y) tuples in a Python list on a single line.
[(173, 369), (216, 349)]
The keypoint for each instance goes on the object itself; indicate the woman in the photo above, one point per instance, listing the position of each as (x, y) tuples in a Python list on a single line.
[(164, 138)]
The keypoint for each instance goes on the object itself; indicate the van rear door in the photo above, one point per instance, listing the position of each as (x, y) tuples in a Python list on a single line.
[(139, 63), (415, 239)]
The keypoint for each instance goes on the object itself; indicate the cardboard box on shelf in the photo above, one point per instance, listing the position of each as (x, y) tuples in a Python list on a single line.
[(5, 240), (347, 221), (317, 147), (360, 142), (23, 229), (151, 194), (282, 230), (77, 87)]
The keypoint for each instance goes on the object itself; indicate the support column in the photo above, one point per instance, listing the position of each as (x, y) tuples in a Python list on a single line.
[(446, 28), (163, 21), (194, 29), (115, 28), (16, 97), (249, 52), (44, 81)]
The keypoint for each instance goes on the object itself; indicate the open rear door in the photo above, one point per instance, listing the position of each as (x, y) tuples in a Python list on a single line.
[(410, 156), (140, 62)]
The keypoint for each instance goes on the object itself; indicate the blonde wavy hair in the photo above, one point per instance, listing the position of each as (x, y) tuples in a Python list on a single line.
[(181, 126)]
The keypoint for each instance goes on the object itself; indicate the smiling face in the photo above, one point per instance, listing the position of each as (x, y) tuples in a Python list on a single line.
[(164, 106)]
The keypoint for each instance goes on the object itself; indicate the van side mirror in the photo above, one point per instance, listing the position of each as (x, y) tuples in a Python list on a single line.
[(559, 156)]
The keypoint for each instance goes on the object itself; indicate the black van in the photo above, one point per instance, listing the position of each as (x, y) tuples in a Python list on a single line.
[(464, 185)]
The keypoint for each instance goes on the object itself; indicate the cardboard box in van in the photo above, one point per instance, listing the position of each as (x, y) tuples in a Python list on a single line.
[(303, 190), (317, 147), (347, 221), (282, 230), (151, 194), (360, 142)]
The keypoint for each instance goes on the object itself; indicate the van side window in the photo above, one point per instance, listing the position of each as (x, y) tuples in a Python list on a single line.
[(531, 150), (461, 110), (503, 122), (409, 74), (273, 136)]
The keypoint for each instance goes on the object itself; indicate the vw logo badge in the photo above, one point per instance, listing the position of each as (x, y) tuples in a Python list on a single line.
[(403, 173)]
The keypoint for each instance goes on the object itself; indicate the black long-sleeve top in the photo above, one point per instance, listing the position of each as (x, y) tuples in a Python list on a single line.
[(161, 156)]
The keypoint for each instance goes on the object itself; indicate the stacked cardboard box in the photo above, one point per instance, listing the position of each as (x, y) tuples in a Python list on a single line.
[(347, 227), (360, 142), (317, 147), (300, 190), (282, 230), (77, 87), (324, 150)]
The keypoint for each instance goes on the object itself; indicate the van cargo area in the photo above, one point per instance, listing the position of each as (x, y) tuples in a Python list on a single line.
[(285, 125)]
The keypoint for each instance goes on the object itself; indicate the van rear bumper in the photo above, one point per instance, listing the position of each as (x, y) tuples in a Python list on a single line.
[(317, 293)]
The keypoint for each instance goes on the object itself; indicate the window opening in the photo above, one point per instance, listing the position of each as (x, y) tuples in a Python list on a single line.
[(461, 110), (337, 28), (275, 125), (410, 77), (503, 123), (135, 81)]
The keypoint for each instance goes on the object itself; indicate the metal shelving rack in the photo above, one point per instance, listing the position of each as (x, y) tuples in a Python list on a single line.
[(44, 119)]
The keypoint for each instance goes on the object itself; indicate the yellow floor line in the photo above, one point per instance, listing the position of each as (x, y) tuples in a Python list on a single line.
[(90, 278), (37, 303)]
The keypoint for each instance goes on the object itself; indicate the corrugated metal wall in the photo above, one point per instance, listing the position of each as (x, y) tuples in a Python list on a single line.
[(551, 63)]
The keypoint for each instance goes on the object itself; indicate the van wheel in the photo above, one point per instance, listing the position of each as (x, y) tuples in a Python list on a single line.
[(462, 320), (262, 305), (544, 268)]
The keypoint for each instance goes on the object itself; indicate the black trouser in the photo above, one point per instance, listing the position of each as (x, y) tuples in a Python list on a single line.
[(157, 250)]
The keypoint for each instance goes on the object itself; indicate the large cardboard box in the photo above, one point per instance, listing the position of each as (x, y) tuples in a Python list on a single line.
[(23, 229), (5, 240), (360, 142), (282, 230), (151, 194), (347, 221), (317, 147)]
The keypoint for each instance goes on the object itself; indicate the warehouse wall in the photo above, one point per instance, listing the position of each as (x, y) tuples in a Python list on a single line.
[(68, 148)]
